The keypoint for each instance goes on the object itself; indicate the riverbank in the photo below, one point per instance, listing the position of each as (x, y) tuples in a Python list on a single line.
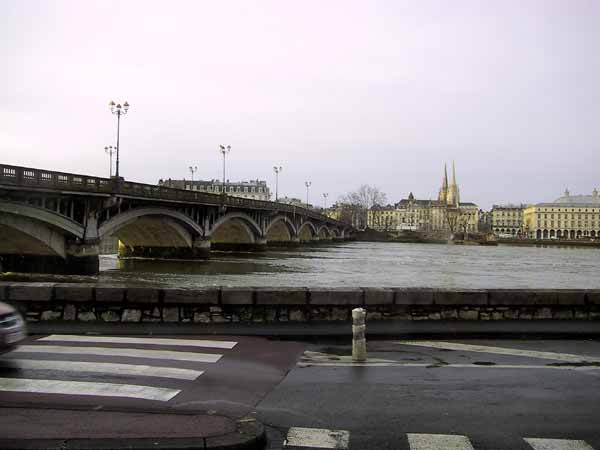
[(550, 243), (48, 302)]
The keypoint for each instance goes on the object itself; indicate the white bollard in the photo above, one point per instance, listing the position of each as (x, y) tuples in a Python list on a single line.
[(359, 342)]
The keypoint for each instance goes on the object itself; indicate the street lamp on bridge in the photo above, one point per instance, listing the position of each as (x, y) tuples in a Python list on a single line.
[(192, 171), (325, 195), (307, 184), (110, 150), (277, 169), (119, 111), (224, 150)]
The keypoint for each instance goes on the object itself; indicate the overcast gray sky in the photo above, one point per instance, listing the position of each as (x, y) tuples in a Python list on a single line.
[(339, 92)]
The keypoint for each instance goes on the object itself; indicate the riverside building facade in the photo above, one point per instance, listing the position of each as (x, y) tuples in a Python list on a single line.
[(507, 220), (254, 189), (568, 217), (446, 214)]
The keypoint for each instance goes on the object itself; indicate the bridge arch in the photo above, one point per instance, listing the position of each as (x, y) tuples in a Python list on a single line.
[(281, 228), (152, 227), (307, 231), (25, 236), (324, 232), (236, 228), (52, 219)]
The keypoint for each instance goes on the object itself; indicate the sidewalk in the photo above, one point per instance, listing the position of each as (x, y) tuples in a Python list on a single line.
[(61, 429), (303, 330)]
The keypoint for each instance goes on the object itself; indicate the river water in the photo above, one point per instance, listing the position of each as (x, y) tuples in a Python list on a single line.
[(369, 264)]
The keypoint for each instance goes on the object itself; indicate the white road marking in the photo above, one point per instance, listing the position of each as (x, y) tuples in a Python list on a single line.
[(502, 351), (557, 444), (145, 341), (442, 366), (128, 352), (317, 438), (87, 388), (438, 442), (108, 368)]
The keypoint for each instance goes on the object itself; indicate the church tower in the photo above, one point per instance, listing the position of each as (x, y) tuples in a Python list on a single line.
[(443, 195), (453, 196)]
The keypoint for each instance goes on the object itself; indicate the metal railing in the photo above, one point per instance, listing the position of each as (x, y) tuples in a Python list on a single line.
[(47, 179)]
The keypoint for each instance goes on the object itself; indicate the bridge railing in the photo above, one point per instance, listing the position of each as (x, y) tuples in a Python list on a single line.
[(46, 179), (25, 176)]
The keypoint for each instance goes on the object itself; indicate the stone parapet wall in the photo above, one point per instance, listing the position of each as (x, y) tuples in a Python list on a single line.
[(81, 302)]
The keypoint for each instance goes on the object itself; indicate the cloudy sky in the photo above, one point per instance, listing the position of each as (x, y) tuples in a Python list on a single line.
[(339, 92)]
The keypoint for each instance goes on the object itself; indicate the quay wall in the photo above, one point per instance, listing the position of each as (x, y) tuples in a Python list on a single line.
[(41, 302)]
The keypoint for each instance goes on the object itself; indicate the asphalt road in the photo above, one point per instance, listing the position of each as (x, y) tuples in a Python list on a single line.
[(489, 394), (422, 395), (142, 374)]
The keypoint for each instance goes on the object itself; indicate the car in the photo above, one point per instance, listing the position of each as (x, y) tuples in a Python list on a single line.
[(13, 329)]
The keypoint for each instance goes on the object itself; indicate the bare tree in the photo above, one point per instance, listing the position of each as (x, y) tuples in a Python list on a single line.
[(365, 196), (360, 201)]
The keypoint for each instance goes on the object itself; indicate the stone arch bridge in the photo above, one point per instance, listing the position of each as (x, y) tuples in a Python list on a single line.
[(54, 221)]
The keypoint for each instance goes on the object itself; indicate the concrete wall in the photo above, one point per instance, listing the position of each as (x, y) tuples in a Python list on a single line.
[(80, 302)]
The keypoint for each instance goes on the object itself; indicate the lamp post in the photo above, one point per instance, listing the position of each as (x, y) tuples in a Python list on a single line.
[(277, 169), (192, 171), (307, 184), (110, 150), (224, 150), (119, 111), (325, 195)]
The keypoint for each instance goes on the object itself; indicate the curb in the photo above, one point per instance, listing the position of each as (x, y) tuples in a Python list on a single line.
[(375, 329), (249, 435)]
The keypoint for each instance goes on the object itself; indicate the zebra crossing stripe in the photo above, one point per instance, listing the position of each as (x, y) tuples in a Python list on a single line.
[(108, 368), (127, 352), (438, 442), (146, 341), (557, 444), (317, 438), (86, 388)]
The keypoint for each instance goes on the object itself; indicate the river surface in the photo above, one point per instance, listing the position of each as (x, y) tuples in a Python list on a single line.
[(368, 264)]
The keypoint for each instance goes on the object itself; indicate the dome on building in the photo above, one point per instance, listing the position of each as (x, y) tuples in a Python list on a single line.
[(567, 198)]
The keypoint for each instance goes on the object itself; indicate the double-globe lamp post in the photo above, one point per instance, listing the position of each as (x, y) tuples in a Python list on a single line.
[(192, 171), (110, 151), (277, 170), (224, 150), (119, 111), (307, 184)]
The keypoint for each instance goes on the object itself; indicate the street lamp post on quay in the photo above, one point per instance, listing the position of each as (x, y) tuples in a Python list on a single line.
[(224, 150), (277, 170), (192, 171), (119, 111), (110, 151), (307, 184)]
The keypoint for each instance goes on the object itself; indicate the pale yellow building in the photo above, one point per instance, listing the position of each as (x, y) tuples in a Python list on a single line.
[(382, 218), (507, 220), (568, 217)]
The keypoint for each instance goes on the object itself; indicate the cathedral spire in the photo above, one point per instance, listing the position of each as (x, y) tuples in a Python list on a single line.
[(453, 175), (445, 182)]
